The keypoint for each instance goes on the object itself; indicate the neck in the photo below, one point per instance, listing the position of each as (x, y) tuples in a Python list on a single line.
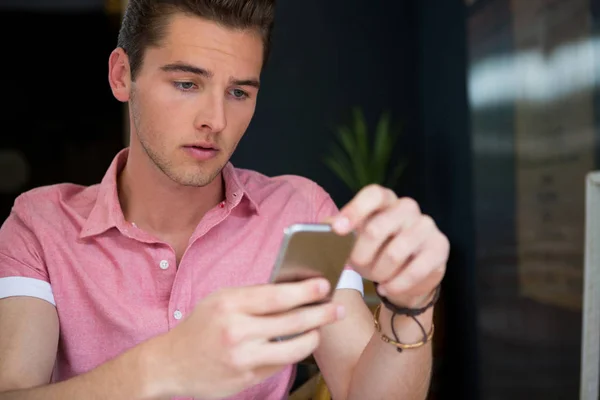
[(155, 203)]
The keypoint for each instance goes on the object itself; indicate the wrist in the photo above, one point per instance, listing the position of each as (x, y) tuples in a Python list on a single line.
[(157, 380), (410, 327), (412, 303), (406, 327)]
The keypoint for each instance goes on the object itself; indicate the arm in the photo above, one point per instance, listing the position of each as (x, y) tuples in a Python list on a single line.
[(403, 250), (29, 327), (28, 342), (27, 356), (194, 359), (357, 364), (403, 375)]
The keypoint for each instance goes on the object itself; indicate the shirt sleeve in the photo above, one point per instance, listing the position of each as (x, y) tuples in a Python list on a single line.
[(326, 207), (22, 268)]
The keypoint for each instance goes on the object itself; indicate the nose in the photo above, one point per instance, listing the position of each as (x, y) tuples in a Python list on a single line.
[(211, 114)]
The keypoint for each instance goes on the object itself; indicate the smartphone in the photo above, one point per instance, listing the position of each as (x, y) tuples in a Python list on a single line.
[(311, 251)]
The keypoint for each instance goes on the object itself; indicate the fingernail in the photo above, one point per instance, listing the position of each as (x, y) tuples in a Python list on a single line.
[(381, 290), (341, 224), (341, 312), (323, 286)]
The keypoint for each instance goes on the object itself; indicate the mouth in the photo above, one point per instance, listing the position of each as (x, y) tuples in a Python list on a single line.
[(201, 151), (202, 146)]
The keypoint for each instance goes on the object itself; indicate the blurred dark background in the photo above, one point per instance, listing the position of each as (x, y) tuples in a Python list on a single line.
[(410, 57)]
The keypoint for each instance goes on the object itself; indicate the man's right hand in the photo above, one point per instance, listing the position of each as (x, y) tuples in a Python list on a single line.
[(225, 345)]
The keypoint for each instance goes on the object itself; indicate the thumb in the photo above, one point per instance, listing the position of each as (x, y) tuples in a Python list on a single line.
[(328, 220)]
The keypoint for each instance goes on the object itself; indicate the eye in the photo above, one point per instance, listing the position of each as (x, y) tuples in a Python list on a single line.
[(184, 86), (238, 94)]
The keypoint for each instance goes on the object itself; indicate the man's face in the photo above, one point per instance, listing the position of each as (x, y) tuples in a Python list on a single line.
[(194, 97)]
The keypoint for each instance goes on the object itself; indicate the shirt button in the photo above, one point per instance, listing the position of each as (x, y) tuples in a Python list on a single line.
[(164, 264), (177, 314)]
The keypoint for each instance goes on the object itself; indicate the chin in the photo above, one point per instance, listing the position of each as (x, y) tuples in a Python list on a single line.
[(196, 177), (189, 172)]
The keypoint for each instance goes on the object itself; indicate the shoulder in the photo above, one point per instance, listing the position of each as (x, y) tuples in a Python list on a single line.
[(259, 184), (53, 202), (286, 189)]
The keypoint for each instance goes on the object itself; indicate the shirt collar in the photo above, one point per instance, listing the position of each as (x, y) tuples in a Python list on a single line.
[(107, 212), (235, 190)]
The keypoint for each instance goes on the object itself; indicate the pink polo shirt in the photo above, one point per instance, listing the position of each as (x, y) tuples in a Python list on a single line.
[(114, 285)]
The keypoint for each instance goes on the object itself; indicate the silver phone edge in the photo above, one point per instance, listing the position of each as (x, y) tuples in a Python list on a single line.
[(287, 236), (279, 260), (307, 227)]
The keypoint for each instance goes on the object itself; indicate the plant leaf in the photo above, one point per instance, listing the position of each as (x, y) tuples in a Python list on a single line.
[(389, 151), (344, 162), (345, 138), (395, 175), (342, 173), (362, 148), (381, 148), (360, 129), (349, 144)]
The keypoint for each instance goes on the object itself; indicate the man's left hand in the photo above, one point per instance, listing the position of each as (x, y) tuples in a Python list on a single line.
[(397, 246)]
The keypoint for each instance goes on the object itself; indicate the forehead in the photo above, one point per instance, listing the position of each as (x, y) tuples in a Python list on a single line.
[(210, 45)]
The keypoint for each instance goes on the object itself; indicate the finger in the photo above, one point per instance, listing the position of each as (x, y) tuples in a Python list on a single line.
[(290, 351), (394, 256), (257, 356), (280, 297), (329, 220), (416, 295), (397, 219), (418, 278), (293, 322), (260, 374), (369, 200)]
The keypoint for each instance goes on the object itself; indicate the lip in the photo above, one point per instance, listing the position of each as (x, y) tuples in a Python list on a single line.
[(201, 152), (202, 145)]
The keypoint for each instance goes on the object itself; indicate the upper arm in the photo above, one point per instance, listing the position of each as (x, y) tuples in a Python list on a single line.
[(28, 342), (29, 327)]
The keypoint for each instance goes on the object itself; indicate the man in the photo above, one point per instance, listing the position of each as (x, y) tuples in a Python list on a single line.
[(152, 284)]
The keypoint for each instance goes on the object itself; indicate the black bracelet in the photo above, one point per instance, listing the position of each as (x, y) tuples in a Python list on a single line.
[(409, 312)]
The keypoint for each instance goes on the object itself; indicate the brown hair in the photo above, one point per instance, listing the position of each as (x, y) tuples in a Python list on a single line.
[(145, 21)]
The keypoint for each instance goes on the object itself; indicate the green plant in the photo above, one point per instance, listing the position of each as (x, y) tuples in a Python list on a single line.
[(359, 161)]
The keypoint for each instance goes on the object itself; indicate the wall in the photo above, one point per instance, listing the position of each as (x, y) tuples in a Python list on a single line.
[(446, 169), (60, 114), (329, 56), (406, 56), (52, 5)]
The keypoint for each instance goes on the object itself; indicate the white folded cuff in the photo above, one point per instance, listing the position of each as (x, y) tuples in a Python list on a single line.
[(30, 287), (351, 279)]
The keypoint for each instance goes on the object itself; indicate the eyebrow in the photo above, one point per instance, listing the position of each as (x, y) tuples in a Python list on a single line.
[(246, 82), (184, 67)]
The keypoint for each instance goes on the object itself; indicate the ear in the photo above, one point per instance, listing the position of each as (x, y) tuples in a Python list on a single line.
[(119, 74)]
